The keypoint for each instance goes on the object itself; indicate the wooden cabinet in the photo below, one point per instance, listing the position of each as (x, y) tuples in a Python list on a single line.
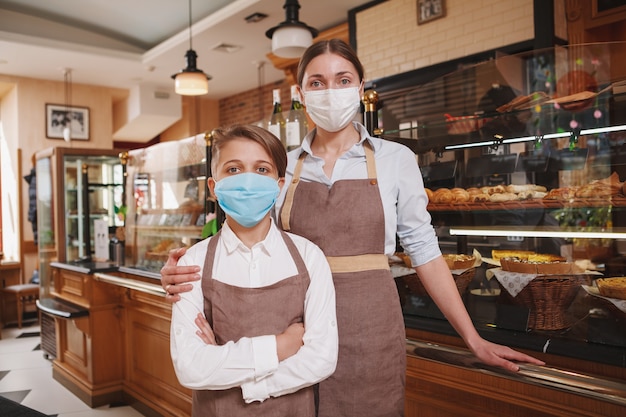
[(150, 375), (118, 349), (89, 348)]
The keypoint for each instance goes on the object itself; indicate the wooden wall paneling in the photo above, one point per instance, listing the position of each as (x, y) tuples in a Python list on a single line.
[(150, 375)]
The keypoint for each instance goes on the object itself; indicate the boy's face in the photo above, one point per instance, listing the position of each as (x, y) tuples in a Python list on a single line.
[(240, 156)]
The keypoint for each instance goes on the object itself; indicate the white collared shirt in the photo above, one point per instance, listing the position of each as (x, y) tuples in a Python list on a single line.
[(399, 181), (252, 363)]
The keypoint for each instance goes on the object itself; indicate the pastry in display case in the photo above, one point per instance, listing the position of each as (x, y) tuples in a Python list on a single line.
[(168, 204), (523, 159)]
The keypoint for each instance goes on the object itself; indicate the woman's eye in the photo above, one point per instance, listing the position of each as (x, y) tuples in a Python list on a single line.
[(263, 170), (345, 81), (316, 84)]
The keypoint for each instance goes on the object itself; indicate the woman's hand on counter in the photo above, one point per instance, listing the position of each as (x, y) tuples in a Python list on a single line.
[(501, 356), (176, 279)]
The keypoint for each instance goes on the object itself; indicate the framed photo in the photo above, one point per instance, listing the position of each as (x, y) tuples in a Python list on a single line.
[(59, 116), (428, 10)]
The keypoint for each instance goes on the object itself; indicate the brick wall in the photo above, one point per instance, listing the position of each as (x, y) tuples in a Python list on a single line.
[(254, 105), (390, 41)]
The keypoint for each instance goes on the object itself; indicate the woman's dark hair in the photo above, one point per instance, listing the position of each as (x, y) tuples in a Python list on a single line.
[(332, 46), (266, 139)]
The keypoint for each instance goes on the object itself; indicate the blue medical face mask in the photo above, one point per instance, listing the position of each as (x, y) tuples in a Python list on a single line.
[(247, 197)]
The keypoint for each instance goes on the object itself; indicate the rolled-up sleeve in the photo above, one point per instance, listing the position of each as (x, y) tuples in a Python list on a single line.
[(415, 231)]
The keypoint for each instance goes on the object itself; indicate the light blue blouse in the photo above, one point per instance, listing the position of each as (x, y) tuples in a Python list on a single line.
[(400, 184)]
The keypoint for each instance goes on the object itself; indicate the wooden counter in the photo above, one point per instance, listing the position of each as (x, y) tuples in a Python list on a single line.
[(120, 352), (445, 380)]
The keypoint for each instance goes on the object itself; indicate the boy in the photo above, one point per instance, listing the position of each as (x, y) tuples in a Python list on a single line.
[(268, 295)]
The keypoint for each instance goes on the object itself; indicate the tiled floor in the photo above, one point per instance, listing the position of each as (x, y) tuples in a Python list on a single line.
[(26, 377)]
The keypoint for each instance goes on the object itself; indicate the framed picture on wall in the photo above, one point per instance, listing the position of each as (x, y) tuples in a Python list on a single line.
[(59, 116), (428, 10)]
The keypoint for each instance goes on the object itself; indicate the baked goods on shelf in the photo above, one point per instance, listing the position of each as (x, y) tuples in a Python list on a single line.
[(526, 255), (612, 287), (609, 190), (459, 261), (527, 262)]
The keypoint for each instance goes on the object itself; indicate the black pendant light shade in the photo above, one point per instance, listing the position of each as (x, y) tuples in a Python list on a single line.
[(191, 81)]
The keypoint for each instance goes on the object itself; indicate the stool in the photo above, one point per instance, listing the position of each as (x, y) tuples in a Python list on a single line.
[(24, 294)]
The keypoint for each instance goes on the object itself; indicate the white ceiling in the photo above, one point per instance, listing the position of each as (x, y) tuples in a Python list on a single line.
[(122, 43)]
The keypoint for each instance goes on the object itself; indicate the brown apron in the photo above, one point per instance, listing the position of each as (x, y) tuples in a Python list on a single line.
[(347, 223), (235, 312)]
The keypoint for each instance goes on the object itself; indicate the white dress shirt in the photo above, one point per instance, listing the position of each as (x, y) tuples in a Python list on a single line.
[(401, 190), (252, 363)]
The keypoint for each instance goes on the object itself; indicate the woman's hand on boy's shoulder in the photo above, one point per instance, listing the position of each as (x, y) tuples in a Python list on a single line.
[(176, 279)]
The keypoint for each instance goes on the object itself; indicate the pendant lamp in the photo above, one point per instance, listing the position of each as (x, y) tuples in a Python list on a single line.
[(191, 81), (291, 37), (67, 121)]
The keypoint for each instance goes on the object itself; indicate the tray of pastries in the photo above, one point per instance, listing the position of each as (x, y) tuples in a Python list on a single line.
[(599, 192)]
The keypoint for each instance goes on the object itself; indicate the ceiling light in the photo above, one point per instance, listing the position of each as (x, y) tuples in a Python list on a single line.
[(291, 37), (191, 81), (227, 48), (255, 17)]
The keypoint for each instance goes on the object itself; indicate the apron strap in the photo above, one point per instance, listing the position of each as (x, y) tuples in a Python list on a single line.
[(291, 191), (358, 263), (369, 160), (295, 255)]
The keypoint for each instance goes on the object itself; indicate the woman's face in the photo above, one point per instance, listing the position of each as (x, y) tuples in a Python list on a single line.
[(242, 155), (330, 71)]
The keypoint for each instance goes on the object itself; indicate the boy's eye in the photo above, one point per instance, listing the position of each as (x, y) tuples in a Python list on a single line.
[(232, 170), (263, 170)]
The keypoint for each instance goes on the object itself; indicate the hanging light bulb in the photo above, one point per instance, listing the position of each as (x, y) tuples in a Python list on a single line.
[(191, 81), (67, 121), (291, 37)]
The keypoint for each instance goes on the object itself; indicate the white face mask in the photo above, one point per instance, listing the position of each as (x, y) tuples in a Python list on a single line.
[(332, 109)]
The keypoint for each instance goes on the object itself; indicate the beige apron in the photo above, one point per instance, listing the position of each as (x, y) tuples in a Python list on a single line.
[(234, 312), (347, 223)]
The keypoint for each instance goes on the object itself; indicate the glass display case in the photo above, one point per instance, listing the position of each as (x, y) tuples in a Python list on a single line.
[(75, 187), (525, 153), (167, 200)]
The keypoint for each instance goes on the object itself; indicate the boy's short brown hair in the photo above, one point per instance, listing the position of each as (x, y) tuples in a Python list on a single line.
[(263, 137)]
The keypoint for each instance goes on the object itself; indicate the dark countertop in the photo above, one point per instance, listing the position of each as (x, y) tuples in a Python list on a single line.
[(89, 267)]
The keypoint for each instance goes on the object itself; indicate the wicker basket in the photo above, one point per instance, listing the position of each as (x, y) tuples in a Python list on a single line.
[(548, 297), (462, 281)]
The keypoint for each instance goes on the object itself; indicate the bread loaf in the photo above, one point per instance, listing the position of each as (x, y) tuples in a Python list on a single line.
[(460, 195), (443, 195)]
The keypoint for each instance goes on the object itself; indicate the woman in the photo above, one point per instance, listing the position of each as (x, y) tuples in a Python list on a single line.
[(351, 194), (270, 331)]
